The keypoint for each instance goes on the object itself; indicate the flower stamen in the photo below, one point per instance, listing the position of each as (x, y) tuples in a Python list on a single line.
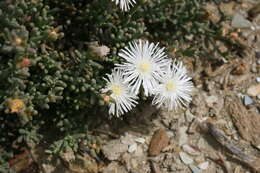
[(170, 86), (144, 67), (117, 90)]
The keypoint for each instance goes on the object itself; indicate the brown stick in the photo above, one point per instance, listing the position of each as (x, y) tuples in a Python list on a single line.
[(251, 161), (154, 167)]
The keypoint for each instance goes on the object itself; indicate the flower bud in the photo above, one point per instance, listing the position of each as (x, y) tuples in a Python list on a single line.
[(15, 105), (25, 62), (99, 51)]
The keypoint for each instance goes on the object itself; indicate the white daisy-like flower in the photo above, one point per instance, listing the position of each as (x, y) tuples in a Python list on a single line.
[(174, 90), (144, 66), (122, 98), (125, 4)]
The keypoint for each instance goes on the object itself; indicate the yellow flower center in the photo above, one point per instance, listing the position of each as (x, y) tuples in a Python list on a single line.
[(117, 90), (170, 86), (144, 67)]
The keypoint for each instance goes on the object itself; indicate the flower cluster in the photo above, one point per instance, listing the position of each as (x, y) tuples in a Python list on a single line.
[(147, 69)]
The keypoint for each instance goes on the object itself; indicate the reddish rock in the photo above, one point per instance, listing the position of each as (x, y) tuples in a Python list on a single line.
[(158, 142)]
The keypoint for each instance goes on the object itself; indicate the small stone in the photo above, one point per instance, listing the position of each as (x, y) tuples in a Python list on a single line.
[(183, 137), (201, 143), (199, 159), (127, 139), (158, 142), (258, 79), (254, 68), (253, 90), (186, 158), (258, 62), (235, 137), (132, 148), (248, 100), (189, 116), (188, 149), (113, 149), (257, 55), (204, 165), (228, 8), (240, 21), (258, 96), (194, 169), (140, 140)]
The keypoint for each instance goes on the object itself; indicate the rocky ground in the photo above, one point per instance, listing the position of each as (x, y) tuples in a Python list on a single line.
[(218, 132)]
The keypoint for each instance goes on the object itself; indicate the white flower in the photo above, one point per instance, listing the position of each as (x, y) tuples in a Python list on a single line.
[(122, 98), (174, 89), (145, 64), (125, 4)]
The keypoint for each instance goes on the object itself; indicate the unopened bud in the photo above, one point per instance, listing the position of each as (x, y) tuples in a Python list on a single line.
[(106, 98), (25, 62), (99, 51), (15, 105), (18, 41), (234, 35), (53, 35)]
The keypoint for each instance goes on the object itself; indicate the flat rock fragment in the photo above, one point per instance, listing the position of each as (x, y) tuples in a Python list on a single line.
[(140, 140), (132, 148), (254, 90), (190, 150), (195, 169), (248, 100), (185, 158), (203, 165), (113, 149), (240, 21), (183, 136), (158, 142)]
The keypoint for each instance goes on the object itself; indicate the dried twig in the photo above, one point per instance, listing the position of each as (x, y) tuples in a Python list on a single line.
[(154, 167), (251, 161)]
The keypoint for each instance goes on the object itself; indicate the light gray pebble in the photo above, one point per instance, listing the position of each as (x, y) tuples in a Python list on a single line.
[(194, 169), (248, 100), (258, 79), (254, 69)]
